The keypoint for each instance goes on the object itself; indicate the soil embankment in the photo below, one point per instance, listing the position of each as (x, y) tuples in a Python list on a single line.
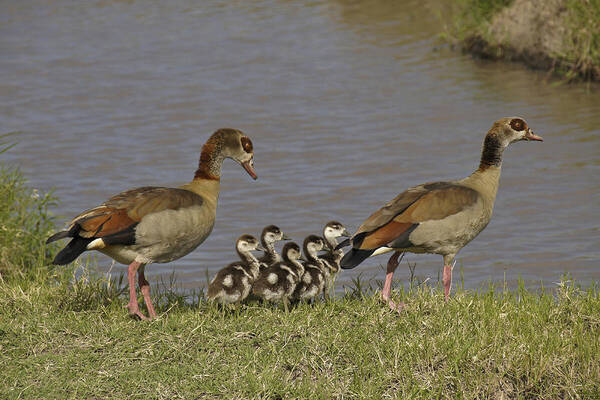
[(562, 36)]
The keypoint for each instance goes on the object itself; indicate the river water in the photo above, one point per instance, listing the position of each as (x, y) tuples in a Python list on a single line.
[(348, 103)]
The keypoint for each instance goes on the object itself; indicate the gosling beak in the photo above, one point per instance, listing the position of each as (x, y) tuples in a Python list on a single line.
[(529, 135), (346, 233), (302, 258), (249, 167), (285, 237), (260, 248)]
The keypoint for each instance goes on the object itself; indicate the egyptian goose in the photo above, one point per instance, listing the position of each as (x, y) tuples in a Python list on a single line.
[(440, 217), (277, 282), (268, 237), (331, 231), (312, 281), (233, 283), (157, 224)]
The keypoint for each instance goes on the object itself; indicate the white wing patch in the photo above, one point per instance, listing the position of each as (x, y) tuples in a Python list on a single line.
[(96, 244)]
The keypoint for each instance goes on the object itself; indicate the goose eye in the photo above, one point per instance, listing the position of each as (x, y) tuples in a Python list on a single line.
[(517, 124), (246, 144)]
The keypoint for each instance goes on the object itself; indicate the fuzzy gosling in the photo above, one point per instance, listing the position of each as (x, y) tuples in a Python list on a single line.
[(331, 231), (277, 282), (269, 236), (313, 280), (233, 283)]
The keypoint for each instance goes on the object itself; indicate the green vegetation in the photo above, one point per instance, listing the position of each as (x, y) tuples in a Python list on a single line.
[(473, 16), (562, 36), (64, 334), (582, 56), (24, 226)]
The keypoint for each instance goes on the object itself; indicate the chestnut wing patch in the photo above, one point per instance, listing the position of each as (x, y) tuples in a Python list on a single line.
[(115, 220), (433, 201), (395, 207)]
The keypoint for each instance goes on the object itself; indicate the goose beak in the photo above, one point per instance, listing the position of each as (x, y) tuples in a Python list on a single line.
[(532, 136), (249, 167)]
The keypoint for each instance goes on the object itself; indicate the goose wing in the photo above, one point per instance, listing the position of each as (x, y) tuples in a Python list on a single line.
[(114, 220), (393, 223)]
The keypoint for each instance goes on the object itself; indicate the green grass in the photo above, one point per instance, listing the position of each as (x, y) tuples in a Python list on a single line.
[(473, 16), (25, 223), (582, 57), (479, 345), (65, 334)]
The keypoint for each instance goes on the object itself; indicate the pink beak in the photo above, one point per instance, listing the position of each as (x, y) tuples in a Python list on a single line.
[(249, 167), (532, 136)]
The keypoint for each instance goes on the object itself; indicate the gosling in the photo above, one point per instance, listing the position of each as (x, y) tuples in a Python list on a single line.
[(277, 282), (313, 279), (233, 283), (332, 258), (269, 236)]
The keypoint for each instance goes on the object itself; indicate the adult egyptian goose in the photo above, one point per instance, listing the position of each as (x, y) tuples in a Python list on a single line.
[(268, 237), (233, 283), (312, 281), (277, 282), (157, 224), (440, 217), (331, 231)]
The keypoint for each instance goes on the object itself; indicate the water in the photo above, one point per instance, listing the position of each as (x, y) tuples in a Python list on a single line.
[(347, 104)]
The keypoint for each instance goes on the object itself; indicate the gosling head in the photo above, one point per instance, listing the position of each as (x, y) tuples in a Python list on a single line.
[(248, 243), (334, 229), (272, 234), (312, 244), (291, 252)]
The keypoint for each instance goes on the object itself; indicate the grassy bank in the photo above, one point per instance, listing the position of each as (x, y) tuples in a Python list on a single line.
[(561, 36), (479, 345), (65, 334)]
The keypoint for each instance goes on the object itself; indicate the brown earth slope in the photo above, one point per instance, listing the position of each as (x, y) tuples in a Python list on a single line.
[(543, 34)]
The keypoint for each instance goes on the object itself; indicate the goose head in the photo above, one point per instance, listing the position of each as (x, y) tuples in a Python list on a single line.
[(238, 147), (502, 133), (512, 129), (272, 234), (226, 143)]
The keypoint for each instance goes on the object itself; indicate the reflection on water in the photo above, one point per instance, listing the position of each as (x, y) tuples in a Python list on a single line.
[(348, 103)]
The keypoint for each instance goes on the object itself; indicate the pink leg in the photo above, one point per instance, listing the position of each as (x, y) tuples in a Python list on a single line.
[(145, 288), (133, 304), (447, 278), (387, 286)]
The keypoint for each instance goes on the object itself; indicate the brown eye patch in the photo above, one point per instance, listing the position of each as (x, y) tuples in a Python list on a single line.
[(246, 144), (517, 124)]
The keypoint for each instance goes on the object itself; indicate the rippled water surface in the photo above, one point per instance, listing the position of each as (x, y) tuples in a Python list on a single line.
[(348, 104)]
